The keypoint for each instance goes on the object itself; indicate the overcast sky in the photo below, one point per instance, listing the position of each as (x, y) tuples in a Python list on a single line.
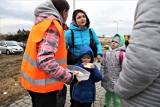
[(103, 14)]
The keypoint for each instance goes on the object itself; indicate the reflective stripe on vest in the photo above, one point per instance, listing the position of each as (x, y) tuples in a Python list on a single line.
[(38, 82), (34, 63), (32, 78)]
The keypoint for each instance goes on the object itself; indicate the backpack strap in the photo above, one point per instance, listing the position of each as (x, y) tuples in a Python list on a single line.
[(91, 36), (92, 43), (121, 56), (72, 38), (105, 55)]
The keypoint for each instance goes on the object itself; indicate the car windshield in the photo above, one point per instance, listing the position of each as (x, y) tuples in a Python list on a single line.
[(12, 43)]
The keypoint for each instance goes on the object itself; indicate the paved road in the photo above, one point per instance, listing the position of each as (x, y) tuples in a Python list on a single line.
[(26, 100)]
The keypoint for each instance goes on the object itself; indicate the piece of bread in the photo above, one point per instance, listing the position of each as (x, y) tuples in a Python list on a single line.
[(87, 65)]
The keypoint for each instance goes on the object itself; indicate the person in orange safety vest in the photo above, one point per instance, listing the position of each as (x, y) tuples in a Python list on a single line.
[(44, 69)]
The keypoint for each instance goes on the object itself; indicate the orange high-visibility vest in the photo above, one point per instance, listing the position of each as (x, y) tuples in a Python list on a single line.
[(31, 76)]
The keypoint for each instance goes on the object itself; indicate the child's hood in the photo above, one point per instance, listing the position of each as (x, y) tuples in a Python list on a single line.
[(46, 10), (122, 39), (85, 50)]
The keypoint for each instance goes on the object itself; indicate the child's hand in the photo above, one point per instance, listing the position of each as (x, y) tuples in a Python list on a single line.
[(75, 73), (92, 66), (99, 58)]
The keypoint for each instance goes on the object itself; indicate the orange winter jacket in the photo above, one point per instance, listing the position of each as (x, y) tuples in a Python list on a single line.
[(31, 76)]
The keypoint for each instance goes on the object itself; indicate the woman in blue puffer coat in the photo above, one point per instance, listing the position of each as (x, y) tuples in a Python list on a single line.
[(80, 27)]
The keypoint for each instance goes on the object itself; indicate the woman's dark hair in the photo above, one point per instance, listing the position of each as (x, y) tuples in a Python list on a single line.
[(60, 5), (81, 11)]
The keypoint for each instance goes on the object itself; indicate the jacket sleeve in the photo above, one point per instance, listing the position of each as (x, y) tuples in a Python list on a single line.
[(98, 43), (96, 75), (141, 64), (46, 56)]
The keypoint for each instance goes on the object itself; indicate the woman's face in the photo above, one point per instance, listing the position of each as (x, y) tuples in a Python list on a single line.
[(65, 14), (81, 20)]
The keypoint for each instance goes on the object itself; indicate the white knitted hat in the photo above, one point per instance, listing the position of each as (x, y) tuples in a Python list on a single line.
[(116, 39)]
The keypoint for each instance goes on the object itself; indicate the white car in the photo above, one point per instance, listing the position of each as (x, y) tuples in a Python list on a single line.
[(10, 47)]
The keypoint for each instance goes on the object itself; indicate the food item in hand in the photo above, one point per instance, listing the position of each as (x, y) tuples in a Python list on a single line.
[(79, 73), (88, 65)]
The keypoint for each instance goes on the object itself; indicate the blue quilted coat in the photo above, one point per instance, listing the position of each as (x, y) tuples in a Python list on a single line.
[(85, 91), (81, 38)]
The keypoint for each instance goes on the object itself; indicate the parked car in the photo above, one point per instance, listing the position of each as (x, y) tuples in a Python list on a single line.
[(10, 47), (22, 44)]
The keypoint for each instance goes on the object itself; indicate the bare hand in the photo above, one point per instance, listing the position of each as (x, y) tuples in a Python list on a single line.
[(99, 58), (92, 66), (75, 72)]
